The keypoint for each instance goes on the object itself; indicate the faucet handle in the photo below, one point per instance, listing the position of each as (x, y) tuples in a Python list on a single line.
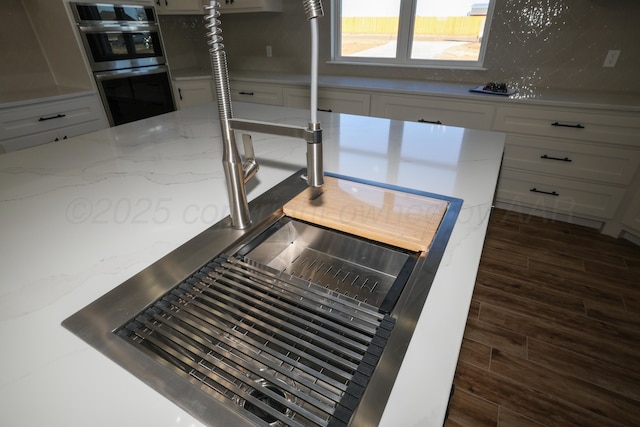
[(249, 154), (249, 165)]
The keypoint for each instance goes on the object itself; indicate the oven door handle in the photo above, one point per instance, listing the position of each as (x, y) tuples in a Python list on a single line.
[(130, 72), (89, 27)]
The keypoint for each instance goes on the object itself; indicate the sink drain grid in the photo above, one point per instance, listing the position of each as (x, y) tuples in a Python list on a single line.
[(285, 351)]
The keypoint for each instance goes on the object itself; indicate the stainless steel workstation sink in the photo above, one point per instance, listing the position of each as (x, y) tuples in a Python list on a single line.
[(281, 323), (267, 318)]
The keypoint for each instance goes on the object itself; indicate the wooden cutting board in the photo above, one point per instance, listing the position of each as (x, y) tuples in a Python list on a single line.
[(393, 217)]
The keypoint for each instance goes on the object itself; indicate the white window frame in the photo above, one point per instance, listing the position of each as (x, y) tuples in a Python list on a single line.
[(405, 37)]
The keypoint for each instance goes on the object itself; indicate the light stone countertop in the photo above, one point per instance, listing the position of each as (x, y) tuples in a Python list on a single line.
[(81, 216), (10, 99)]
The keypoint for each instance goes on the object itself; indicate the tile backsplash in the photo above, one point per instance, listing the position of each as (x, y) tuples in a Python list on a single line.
[(185, 41), (531, 44)]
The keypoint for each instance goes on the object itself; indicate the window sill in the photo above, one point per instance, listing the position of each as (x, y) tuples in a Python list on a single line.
[(447, 66)]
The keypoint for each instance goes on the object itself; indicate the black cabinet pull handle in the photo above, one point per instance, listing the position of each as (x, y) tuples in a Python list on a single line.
[(242, 92), (326, 110), (435, 122), (158, 2), (180, 93), (550, 193), (566, 159), (564, 125), (57, 116)]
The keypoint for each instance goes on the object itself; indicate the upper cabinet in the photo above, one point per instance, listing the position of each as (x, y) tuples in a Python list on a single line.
[(244, 6), (180, 7)]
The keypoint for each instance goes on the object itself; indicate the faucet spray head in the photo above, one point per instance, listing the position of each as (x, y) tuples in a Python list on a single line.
[(313, 9)]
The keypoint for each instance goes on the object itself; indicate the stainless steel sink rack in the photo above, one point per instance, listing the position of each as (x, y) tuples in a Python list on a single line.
[(286, 350)]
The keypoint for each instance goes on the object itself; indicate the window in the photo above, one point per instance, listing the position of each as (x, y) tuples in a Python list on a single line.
[(440, 33)]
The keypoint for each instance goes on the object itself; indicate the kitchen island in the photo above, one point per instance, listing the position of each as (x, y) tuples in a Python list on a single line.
[(81, 216)]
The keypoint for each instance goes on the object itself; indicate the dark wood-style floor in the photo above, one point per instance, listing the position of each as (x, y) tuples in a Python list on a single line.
[(553, 334)]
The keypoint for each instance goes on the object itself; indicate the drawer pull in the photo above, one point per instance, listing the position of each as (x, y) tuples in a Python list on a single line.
[(326, 110), (245, 93), (435, 122), (180, 94), (566, 159), (564, 125), (57, 116), (550, 193)]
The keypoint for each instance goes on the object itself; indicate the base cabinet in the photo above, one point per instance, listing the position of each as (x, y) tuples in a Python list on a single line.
[(258, 93), (189, 93), (335, 101), (434, 110), (631, 215), (50, 120), (577, 162), (553, 194)]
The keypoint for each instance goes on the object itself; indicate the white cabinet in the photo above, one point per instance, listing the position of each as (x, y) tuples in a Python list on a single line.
[(572, 161), (558, 195), (180, 7), (336, 101), (50, 120), (244, 6), (436, 110), (582, 124), (631, 215), (189, 93), (258, 93)]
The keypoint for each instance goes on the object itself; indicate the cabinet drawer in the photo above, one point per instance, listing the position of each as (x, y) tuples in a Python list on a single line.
[(434, 110), (336, 101), (54, 135), (571, 159), (257, 93), (48, 115), (582, 124), (558, 194), (245, 6), (189, 93), (31, 140)]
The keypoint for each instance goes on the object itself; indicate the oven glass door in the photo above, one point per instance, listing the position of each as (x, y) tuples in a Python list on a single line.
[(107, 13), (110, 50), (131, 95)]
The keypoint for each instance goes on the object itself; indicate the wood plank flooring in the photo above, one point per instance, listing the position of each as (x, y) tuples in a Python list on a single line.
[(553, 333)]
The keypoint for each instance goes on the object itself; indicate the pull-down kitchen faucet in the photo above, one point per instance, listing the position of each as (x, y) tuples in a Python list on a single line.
[(237, 171)]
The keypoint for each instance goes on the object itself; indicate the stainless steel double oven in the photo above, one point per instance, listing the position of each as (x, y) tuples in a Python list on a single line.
[(125, 50)]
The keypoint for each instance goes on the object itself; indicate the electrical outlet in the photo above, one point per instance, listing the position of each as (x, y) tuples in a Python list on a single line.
[(611, 59), (269, 51)]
